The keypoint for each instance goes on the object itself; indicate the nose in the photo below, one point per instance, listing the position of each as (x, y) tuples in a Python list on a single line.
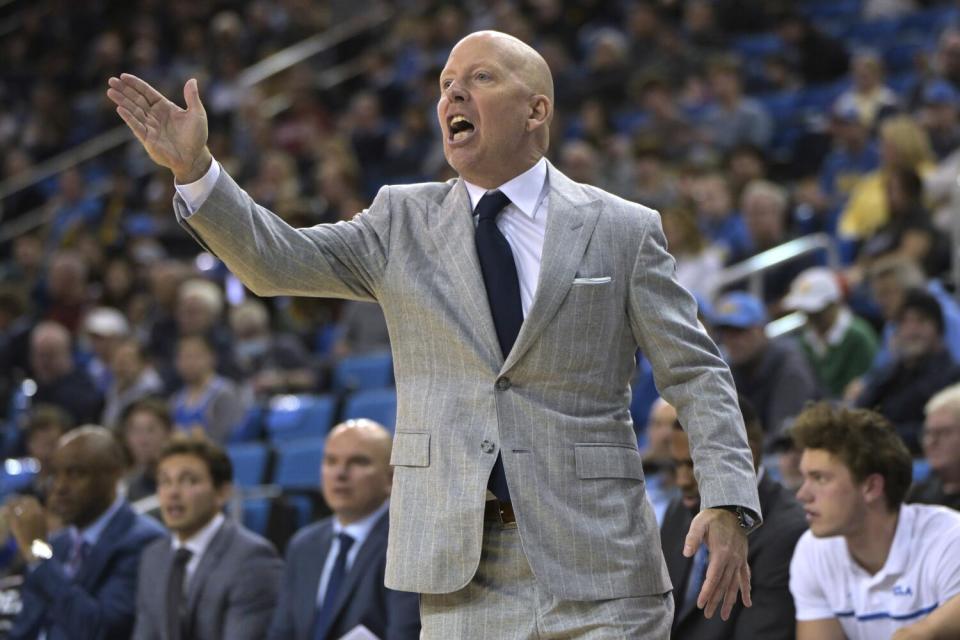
[(803, 493), (455, 92), (685, 478)]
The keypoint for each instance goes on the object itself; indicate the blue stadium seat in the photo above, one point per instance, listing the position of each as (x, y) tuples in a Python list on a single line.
[(901, 56), (782, 106), (921, 470), (376, 404), (872, 33), (757, 46), (927, 23), (300, 416), (256, 514), (250, 427), (368, 371), (298, 463), (249, 463), (818, 99)]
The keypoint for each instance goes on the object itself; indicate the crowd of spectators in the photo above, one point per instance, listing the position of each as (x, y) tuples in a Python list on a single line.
[(745, 123)]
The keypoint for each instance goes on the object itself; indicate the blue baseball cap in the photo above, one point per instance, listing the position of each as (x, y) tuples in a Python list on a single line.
[(940, 92), (738, 309)]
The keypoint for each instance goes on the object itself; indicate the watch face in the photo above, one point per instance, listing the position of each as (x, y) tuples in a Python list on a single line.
[(41, 549)]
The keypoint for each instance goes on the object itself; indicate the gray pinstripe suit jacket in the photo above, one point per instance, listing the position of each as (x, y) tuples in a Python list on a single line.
[(557, 408)]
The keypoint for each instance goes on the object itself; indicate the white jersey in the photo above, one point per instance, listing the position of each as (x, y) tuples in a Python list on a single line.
[(922, 572)]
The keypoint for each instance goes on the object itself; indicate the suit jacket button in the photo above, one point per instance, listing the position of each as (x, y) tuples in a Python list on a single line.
[(487, 447), (503, 384)]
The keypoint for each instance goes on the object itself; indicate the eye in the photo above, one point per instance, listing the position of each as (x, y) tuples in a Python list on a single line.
[(482, 75), (444, 84)]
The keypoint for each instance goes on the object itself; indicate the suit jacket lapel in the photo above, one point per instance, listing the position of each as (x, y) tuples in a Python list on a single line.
[(94, 563), (309, 583), (373, 547), (453, 233), (571, 218), (210, 559)]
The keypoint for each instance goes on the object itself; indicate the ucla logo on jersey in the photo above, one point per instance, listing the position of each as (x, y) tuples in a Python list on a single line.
[(902, 591)]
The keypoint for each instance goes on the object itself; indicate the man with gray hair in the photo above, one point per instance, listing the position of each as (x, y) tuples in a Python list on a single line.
[(59, 381), (940, 440)]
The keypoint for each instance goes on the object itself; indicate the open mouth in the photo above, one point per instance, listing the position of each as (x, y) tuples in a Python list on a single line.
[(460, 128)]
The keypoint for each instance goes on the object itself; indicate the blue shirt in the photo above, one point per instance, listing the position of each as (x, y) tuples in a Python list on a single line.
[(359, 531)]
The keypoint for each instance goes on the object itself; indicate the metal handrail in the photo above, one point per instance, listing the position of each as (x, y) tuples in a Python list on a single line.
[(251, 76), (753, 268)]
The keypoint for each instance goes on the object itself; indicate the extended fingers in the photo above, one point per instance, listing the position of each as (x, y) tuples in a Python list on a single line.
[(745, 588), (138, 128), (150, 95), (136, 109), (714, 588)]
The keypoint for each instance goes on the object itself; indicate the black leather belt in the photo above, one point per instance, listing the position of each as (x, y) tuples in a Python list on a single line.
[(497, 511)]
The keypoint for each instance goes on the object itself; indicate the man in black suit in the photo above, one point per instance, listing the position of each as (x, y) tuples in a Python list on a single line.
[(334, 575), (771, 547)]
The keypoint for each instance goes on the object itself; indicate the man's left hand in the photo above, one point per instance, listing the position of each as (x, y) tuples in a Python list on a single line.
[(28, 522), (727, 572)]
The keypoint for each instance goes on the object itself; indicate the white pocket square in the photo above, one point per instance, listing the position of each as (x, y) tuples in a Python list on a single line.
[(600, 280)]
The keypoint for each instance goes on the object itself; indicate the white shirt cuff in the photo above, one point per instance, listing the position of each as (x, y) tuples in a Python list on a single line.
[(196, 193)]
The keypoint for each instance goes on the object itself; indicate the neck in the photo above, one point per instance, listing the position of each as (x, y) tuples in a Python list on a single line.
[(185, 534), (504, 174), (871, 543), (200, 383)]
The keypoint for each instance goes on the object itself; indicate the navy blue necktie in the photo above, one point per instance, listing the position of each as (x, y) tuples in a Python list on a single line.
[(503, 293), (322, 624), (176, 604)]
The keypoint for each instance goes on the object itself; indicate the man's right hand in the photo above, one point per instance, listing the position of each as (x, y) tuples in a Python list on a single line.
[(173, 137)]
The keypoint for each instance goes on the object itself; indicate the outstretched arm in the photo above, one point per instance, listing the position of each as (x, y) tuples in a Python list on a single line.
[(173, 137)]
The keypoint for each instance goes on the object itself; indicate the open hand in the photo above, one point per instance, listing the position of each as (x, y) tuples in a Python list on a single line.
[(727, 572), (173, 137)]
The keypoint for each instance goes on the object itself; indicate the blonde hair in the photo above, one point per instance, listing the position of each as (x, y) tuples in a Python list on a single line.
[(948, 398), (911, 142)]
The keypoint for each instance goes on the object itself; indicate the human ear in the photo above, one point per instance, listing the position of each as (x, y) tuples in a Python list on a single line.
[(541, 112)]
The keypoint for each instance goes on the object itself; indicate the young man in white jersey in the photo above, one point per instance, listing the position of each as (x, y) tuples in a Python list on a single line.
[(870, 566)]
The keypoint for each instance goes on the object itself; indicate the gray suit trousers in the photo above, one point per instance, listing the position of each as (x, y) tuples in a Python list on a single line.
[(504, 601)]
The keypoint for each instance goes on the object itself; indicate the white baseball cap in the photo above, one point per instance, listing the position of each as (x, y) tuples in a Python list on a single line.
[(813, 291)]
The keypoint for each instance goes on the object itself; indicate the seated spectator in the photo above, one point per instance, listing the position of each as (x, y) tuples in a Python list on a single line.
[(198, 312), (839, 345), (940, 117), (922, 367), (871, 98), (59, 381), (870, 566), (657, 465), (771, 547), (853, 154), (698, 262), (772, 374), (941, 449), (46, 424), (64, 294), (145, 429), (910, 231), (765, 213), (720, 222), (81, 584), (270, 363), (817, 57), (733, 119), (903, 145), (133, 379), (334, 575), (208, 402), (890, 278), (104, 328), (212, 578)]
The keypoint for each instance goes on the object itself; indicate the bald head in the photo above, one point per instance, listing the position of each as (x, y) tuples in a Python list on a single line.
[(85, 470), (96, 445), (528, 65), (371, 433)]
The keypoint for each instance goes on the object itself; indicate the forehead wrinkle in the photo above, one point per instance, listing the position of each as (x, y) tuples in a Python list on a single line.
[(520, 59)]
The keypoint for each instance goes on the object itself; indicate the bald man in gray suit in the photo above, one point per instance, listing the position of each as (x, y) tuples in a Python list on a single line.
[(518, 508)]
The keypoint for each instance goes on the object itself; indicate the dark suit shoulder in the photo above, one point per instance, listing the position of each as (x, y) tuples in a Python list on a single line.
[(308, 536)]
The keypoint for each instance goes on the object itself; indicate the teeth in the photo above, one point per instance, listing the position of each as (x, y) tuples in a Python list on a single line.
[(457, 119), (459, 135)]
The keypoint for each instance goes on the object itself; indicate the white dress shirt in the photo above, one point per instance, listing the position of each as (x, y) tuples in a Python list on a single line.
[(359, 531), (523, 222), (197, 544)]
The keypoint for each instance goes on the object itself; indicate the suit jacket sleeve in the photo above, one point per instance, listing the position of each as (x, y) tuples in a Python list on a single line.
[(145, 627), (689, 373), (282, 624), (342, 260), (110, 614), (253, 599)]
